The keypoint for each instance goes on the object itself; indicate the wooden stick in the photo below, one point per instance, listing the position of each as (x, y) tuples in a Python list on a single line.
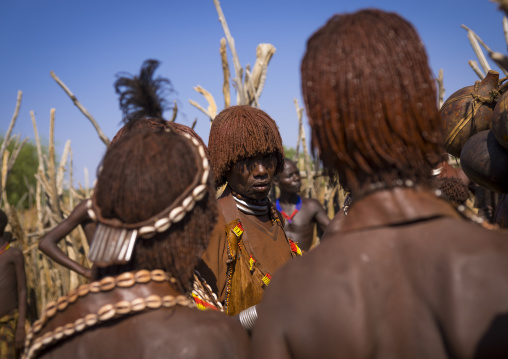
[(264, 53), (51, 167), (83, 110), (175, 112), (226, 73), (242, 100), (37, 142), (253, 98), (61, 167), (473, 39), (211, 111), (11, 124), (505, 30), (194, 123), (476, 69), (71, 183), (310, 177), (5, 159), (440, 83), (15, 153), (87, 183)]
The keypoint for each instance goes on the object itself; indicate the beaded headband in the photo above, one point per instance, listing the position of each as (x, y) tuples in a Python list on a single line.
[(113, 241)]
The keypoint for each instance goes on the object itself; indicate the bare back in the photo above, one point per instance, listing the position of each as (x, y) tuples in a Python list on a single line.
[(11, 265), (435, 287)]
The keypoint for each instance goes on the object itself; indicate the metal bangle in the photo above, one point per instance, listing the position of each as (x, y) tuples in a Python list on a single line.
[(248, 318)]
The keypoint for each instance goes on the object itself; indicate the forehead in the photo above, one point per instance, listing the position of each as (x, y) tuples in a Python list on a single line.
[(290, 166), (258, 157)]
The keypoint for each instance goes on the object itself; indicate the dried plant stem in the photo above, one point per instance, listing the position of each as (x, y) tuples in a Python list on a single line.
[(236, 61), (440, 83), (11, 124), (211, 111), (37, 141), (226, 73), (308, 169), (505, 30), (264, 53), (55, 205), (476, 69), (175, 112), (5, 160), (61, 167), (71, 193), (473, 39), (250, 89), (85, 112)]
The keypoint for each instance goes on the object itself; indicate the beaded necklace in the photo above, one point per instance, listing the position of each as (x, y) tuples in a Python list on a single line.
[(4, 248), (289, 218)]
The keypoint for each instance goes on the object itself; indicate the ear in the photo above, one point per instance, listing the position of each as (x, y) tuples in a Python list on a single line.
[(275, 180)]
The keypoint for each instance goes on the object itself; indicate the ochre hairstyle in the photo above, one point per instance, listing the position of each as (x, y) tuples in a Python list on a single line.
[(240, 132), (371, 100), (142, 174), (155, 124)]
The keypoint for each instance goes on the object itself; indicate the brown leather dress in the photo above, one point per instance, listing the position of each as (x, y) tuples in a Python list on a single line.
[(242, 257)]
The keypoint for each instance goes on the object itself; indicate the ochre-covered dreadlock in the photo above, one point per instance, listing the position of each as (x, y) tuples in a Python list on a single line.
[(155, 124), (142, 174), (240, 132), (371, 99)]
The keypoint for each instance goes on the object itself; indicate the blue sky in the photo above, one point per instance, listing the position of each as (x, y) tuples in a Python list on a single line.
[(87, 42)]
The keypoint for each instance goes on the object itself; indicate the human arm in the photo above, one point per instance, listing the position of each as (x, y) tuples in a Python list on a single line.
[(320, 216), (19, 265), (49, 243)]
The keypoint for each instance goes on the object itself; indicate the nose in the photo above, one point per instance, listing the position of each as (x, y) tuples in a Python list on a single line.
[(259, 169)]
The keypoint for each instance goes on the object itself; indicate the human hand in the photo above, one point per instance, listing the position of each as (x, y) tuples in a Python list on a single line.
[(20, 336)]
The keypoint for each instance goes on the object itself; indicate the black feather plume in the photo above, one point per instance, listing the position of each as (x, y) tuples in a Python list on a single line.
[(143, 96)]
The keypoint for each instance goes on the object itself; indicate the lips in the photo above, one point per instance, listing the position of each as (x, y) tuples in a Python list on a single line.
[(261, 186)]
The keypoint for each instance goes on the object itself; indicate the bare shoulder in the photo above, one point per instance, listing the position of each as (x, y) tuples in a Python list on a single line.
[(14, 254), (312, 203)]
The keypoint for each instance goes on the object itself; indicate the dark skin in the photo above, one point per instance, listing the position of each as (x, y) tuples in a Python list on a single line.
[(301, 228), (48, 244), (252, 178), (172, 332), (13, 287), (395, 279)]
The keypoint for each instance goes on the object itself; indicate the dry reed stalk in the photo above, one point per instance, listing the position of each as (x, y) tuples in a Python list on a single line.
[(476, 69), (61, 168), (175, 112), (440, 83), (253, 98), (55, 203), (497, 57), (238, 80), (307, 161), (225, 72), (85, 112), (473, 39), (11, 124), (264, 53), (211, 111)]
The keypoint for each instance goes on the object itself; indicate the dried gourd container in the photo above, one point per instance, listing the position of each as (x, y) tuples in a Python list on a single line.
[(485, 162), (500, 118), (469, 111)]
